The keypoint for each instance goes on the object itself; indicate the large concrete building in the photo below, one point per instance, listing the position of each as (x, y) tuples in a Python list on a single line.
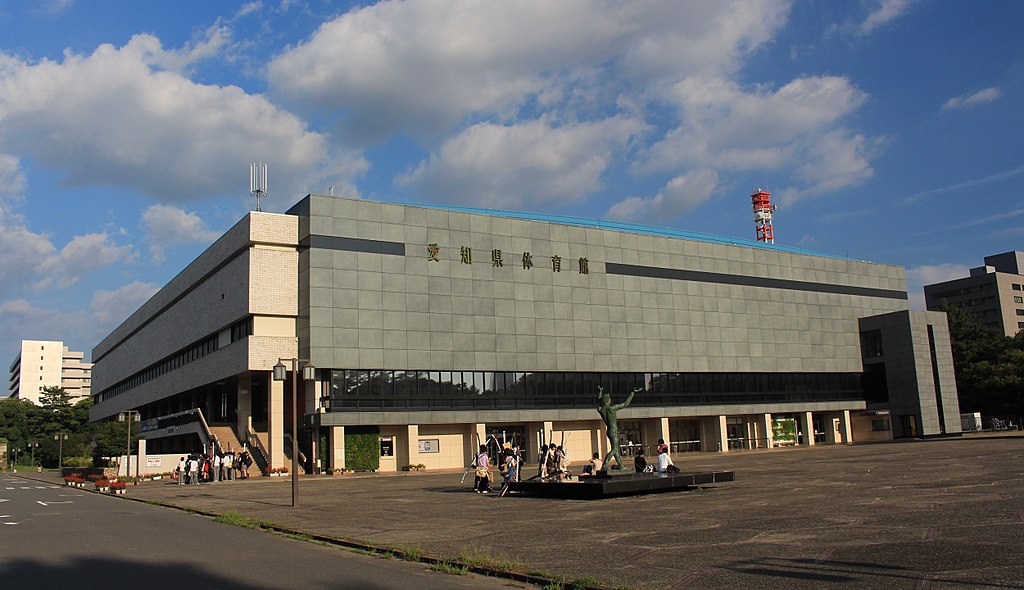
[(994, 293), (433, 328), (48, 363)]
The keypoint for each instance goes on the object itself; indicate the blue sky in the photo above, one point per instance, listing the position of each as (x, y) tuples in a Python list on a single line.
[(887, 130)]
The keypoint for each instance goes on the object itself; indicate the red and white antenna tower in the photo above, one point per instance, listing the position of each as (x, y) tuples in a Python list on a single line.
[(763, 209)]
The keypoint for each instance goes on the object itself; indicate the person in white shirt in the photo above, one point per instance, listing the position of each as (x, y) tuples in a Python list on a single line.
[(665, 464), (181, 471), (193, 470), (215, 468), (228, 464)]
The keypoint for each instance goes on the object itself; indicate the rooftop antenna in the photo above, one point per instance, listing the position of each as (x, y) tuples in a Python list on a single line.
[(761, 200), (258, 182)]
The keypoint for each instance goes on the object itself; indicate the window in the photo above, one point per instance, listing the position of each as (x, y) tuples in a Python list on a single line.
[(1018, 299), (871, 343), (1016, 287), (879, 425), (1020, 325), (1020, 312)]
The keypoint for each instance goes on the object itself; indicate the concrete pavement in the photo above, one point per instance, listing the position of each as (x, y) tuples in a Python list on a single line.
[(916, 514)]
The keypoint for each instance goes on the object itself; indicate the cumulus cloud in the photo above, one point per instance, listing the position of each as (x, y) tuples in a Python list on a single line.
[(920, 276), (836, 160), (528, 164), (166, 225), (680, 195), (973, 99), (423, 67), (80, 256), (119, 116), (31, 261), (726, 126)]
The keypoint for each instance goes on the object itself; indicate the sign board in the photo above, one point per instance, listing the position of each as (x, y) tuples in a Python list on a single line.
[(154, 462), (430, 445)]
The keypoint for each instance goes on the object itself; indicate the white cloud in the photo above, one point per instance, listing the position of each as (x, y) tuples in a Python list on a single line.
[(424, 67), (166, 225), (680, 195), (834, 161), (114, 117), (726, 126), (531, 164), (31, 261), (920, 276), (971, 100), (110, 308), (12, 179), (884, 12), (80, 256)]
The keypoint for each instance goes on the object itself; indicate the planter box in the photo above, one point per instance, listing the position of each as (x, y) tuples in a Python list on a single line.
[(117, 491), (102, 490)]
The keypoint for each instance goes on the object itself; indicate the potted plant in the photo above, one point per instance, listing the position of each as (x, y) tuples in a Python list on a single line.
[(118, 488), (277, 472), (102, 485)]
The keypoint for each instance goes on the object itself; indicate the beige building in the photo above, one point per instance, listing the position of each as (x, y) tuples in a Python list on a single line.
[(48, 363), (994, 293)]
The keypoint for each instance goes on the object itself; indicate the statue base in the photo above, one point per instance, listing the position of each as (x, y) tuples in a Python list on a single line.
[(632, 484)]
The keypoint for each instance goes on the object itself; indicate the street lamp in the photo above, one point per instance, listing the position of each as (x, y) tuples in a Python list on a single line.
[(33, 446), (15, 467), (126, 416), (60, 437), (308, 374)]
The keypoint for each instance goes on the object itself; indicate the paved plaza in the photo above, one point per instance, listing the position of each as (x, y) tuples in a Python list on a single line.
[(918, 514)]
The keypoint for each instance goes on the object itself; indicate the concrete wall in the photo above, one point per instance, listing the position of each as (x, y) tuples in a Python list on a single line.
[(371, 310)]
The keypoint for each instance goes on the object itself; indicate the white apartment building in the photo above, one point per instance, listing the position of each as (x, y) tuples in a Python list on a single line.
[(48, 363)]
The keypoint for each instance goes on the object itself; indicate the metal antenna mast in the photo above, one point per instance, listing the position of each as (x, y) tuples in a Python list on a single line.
[(258, 182)]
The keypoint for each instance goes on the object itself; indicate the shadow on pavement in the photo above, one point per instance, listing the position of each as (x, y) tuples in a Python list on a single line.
[(845, 572)]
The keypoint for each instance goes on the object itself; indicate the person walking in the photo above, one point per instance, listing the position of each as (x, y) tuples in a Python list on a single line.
[(193, 470), (182, 471), (482, 481)]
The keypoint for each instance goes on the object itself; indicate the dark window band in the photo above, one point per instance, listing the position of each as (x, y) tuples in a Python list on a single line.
[(354, 245), (615, 268)]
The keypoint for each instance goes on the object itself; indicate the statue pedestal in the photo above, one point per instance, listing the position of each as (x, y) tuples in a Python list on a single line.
[(633, 484)]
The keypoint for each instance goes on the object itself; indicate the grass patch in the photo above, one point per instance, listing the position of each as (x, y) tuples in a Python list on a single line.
[(450, 568), (233, 518), (408, 553), (475, 557), (581, 583)]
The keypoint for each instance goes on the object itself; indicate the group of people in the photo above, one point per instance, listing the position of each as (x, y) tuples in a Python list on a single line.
[(553, 465), (204, 468), (509, 463), (664, 465)]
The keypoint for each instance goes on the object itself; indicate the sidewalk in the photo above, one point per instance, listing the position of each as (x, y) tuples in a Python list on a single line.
[(946, 512)]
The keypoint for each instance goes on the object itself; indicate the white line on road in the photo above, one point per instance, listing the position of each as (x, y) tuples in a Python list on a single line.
[(10, 523), (62, 502), (4, 500), (41, 502), (5, 515)]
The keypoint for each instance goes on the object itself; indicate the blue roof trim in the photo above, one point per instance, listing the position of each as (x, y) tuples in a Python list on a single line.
[(623, 226)]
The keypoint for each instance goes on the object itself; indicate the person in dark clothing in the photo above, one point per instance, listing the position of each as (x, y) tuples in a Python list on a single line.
[(640, 462)]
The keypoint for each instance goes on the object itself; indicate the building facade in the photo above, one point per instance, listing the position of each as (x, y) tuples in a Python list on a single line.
[(435, 329), (48, 363), (994, 293)]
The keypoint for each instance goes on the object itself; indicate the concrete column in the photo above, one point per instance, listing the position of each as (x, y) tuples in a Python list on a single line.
[(412, 440), (244, 409), (845, 429), (140, 459), (766, 423), (602, 439), (336, 434), (722, 433), (807, 427), (275, 421)]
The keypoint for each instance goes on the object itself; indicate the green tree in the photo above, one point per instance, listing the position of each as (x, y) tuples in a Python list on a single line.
[(989, 366)]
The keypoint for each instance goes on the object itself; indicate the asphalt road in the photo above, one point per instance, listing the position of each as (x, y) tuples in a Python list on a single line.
[(53, 536)]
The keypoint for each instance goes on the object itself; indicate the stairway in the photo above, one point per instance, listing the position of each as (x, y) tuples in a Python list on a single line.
[(228, 441)]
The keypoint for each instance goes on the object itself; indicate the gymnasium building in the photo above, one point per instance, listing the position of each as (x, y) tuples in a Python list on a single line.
[(429, 329)]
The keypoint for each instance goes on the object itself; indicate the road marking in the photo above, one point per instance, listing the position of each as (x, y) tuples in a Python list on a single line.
[(54, 488), (4, 500), (26, 488), (40, 487), (11, 523), (41, 502), (5, 515), (71, 495), (9, 488), (62, 502)]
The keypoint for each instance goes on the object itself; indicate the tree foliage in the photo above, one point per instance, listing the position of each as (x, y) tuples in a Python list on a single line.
[(989, 366), (23, 423)]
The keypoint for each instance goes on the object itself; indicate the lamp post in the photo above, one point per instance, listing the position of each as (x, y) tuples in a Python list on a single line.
[(33, 446), (126, 416), (15, 467), (281, 374), (60, 437)]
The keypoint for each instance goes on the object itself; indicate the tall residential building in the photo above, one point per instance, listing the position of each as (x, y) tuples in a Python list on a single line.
[(48, 363), (994, 293)]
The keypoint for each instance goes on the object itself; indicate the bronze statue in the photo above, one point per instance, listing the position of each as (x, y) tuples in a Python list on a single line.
[(609, 413)]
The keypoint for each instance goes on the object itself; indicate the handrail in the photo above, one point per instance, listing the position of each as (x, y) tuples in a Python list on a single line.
[(261, 457), (295, 448)]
